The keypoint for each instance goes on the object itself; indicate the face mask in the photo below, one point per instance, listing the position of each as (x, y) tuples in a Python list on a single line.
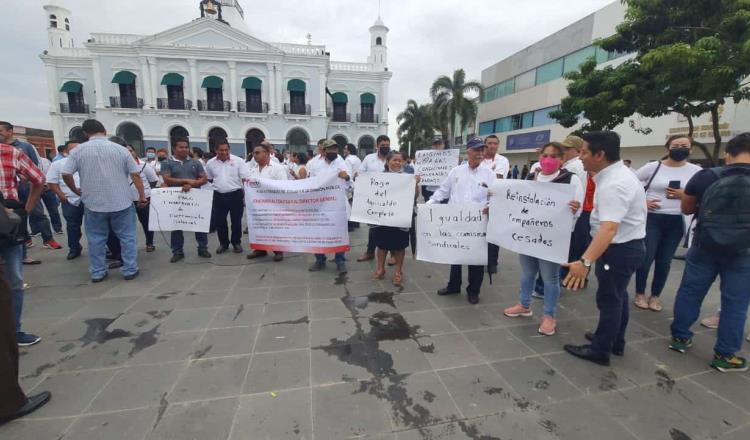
[(150, 155), (162, 159), (679, 154), (384, 150), (330, 157), (549, 164)]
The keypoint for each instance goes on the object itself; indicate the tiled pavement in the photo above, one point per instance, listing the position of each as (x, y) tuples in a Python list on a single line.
[(229, 350)]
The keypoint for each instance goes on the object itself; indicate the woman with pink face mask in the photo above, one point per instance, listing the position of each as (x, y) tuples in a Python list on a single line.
[(550, 161)]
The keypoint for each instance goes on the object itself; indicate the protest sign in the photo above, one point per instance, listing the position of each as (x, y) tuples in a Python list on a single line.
[(433, 166), (306, 215), (385, 199), (452, 234), (174, 210), (532, 218)]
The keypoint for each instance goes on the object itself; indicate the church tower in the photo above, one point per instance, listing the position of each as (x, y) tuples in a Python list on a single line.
[(378, 46), (58, 27)]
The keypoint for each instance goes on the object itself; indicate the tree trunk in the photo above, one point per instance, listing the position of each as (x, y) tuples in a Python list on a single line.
[(701, 146), (717, 131)]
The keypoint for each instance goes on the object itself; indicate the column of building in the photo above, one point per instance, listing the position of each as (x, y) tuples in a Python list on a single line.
[(322, 94), (233, 84), (271, 87), (193, 82), (146, 83), (152, 67)]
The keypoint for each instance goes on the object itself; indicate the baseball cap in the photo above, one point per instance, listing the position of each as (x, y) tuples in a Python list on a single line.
[(475, 143)]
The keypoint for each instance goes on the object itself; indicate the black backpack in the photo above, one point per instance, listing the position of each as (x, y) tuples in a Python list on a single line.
[(724, 214)]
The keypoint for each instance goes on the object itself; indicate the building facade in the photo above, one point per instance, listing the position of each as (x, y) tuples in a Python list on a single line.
[(41, 139), (212, 78), (522, 89)]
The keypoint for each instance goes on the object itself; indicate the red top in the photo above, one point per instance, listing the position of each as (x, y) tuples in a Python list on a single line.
[(588, 201), (13, 162)]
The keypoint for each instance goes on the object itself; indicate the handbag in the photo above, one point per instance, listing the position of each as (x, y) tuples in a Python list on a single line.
[(9, 227)]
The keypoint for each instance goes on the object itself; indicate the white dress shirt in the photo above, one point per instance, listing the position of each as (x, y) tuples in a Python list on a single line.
[(272, 171), (498, 164), (372, 164), (465, 185), (54, 175), (313, 163), (619, 198), (575, 166), (227, 174), (354, 162), (148, 175), (334, 167)]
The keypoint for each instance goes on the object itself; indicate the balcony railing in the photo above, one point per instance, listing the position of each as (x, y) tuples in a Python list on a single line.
[(74, 108), (341, 117), (214, 106), (290, 109), (125, 102), (173, 104), (368, 119), (242, 107)]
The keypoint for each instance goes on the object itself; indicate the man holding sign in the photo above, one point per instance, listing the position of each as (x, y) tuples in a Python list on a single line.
[(266, 169), (467, 183)]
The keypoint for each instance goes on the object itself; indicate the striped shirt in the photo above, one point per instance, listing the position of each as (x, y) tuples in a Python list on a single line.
[(104, 169)]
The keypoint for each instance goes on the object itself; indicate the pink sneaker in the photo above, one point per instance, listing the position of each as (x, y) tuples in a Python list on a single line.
[(711, 322), (548, 326), (517, 310)]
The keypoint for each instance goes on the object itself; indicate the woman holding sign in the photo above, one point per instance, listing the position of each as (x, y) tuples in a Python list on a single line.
[(550, 161), (388, 238)]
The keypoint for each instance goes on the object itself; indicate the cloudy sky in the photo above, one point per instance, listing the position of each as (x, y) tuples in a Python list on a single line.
[(428, 38)]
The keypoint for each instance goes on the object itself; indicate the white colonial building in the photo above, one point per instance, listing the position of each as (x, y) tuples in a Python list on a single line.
[(212, 78)]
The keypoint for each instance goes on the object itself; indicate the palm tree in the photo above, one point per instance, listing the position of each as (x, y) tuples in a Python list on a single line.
[(415, 125), (450, 102)]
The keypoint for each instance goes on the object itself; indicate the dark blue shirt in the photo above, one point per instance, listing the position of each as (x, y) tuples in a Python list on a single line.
[(28, 149)]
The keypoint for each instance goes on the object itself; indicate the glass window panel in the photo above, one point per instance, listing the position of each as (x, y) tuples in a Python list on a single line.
[(486, 128), (574, 60), (503, 124), (541, 117), (527, 120), (525, 80), (549, 72)]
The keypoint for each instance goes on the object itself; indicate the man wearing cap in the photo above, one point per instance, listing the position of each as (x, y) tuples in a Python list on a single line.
[(467, 183), (500, 166), (374, 163), (332, 163)]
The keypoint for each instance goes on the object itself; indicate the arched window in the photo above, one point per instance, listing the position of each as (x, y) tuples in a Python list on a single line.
[(214, 135), (296, 88), (367, 108), (178, 132), (253, 138), (366, 145), (126, 83), (67, 24), (53, 21), (379, 41), (76, 104), (297, 140), (339, 107), (214, 95), (132, 135), (253, 98), (175, 92)]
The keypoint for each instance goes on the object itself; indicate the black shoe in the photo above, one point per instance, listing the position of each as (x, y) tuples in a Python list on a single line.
[(73, 255), (115, 264), (221, 249), (616, 352), (491, 270), (447, 291), (32, 404), (473, 299), (176, 258), (587, 353), (256, 254), (204, 253), (132, 276), (237, 249), (99, 280)]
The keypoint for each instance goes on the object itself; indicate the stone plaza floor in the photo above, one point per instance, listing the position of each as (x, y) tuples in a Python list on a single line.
[(234, 349)]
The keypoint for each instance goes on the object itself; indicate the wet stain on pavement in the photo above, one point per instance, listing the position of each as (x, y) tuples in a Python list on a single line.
[(428, 396), (302, 320), (664, 382), (39, 370), (678, 435), (237, 314), (200, 353), (67, 347), (541, 385), (168, 295), (96, 331), (144, 340), (472, 432), (608, 382), (163, 404), (159, 314), (493, 390), (549, 426)]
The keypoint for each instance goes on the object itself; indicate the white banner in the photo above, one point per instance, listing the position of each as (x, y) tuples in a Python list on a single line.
[(307, 215), (452, 234), (532, 218), (174, 210), (385, 199), (433, 166)]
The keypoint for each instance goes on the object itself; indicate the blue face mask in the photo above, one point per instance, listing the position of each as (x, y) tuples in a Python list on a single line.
[(150, 155)]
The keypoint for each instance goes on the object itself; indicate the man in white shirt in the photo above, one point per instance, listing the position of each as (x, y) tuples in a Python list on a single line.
[(266, 169), (500, 166), (225, 172), (350, 156), (318, 159), (374, 163), (618, 227), (467, 183), (332, 164), (72, 208)]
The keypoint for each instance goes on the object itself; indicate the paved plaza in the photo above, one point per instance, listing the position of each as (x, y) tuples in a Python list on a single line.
[(233, 349)]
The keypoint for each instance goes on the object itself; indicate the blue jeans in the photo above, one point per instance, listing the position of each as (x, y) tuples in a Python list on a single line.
[(73, 221), (178, 241), (663, 234), (701, 269), (340, 257), (97, 230), (550, 273), (13, 257), (52, 202), (38, 222)]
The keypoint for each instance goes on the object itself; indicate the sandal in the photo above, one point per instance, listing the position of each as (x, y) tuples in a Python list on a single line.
[(398, 277), (641, 302), (379, 275)]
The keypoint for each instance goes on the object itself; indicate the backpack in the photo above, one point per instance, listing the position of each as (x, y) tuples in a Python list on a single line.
[(10, 224), (724, 214)]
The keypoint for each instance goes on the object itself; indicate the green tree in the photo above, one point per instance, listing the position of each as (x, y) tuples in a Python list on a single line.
[(691, 56), (449, 102), (415, 126)]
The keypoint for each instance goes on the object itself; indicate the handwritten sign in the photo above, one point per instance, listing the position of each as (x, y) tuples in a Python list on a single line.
[(307, 215), (452, 234), (433, 166), (532, 218), (385, 199), (172, 209)]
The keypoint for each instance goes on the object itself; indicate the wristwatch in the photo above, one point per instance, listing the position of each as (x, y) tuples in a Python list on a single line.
[(586, 263)]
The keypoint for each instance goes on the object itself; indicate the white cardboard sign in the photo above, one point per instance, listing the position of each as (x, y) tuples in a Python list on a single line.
[(452, 234), (385, 199), (174, 210), (433, 166)]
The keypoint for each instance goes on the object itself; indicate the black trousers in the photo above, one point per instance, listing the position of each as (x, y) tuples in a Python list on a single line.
[(113, 244), (579, 240), (142, 214), (370, 242), (232, 203), (476, 275), (12, 397), (493, 255), (613, 272)]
